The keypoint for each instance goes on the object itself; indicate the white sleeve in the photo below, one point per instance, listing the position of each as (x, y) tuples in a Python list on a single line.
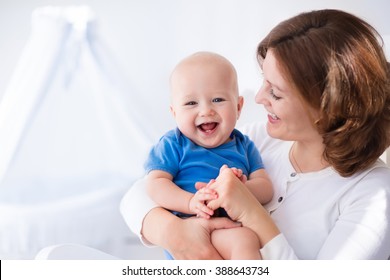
[(134, 206), (363, 227), (278, 249)]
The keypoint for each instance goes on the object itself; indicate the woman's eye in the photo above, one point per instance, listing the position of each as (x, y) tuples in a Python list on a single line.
[(218, 99), (271, 92), (190, 103)]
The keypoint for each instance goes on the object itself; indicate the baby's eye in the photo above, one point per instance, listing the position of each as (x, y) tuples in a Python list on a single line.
[(271, 92), (190, 103), (218, 99)]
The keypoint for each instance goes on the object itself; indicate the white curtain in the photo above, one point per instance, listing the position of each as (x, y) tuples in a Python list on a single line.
[(70, 143)]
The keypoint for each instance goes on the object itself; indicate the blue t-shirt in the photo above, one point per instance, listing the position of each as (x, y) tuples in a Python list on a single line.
[(189, 163)]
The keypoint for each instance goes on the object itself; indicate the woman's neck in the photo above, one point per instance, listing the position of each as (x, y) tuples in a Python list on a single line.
[(307, 157)]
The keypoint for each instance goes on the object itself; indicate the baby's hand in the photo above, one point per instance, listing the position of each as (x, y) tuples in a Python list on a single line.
[(197, 204), (236, 171)]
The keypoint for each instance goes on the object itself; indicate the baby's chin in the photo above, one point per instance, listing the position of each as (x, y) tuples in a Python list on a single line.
[(211, 142)]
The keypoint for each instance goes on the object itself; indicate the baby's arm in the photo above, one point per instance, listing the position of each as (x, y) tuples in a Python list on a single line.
[(163, 191), (260, 185)]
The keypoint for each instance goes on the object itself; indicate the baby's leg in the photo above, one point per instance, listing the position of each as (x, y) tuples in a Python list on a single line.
[(236, 243)]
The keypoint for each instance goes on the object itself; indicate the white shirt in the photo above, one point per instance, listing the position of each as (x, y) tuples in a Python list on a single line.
[(321, 215)]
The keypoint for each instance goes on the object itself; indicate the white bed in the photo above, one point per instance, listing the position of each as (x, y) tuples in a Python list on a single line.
[(71, 141)]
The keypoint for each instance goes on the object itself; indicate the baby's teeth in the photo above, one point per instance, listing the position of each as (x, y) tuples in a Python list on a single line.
[(275, 117)]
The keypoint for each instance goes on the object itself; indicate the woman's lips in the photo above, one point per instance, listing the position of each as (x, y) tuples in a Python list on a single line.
[(273, 118)]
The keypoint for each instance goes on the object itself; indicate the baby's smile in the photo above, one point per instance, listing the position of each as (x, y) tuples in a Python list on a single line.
[(208, 127)]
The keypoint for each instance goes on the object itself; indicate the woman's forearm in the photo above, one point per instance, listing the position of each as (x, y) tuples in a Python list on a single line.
[(255, 217), (135, 205), (157, 226), (259, 221)]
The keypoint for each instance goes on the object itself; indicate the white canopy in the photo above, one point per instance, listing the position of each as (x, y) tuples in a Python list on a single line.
[(70, 143)]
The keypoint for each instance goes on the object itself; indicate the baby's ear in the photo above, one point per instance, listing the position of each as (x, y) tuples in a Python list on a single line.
[(240, 104), (172, 111)]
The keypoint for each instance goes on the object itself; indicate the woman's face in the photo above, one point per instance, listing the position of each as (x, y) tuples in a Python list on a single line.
[(288, 119)]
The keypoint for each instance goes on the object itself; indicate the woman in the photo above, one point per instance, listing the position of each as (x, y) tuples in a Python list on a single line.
[(327, 90)]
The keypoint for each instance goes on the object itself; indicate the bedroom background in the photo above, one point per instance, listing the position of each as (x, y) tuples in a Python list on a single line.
[(84, 93)]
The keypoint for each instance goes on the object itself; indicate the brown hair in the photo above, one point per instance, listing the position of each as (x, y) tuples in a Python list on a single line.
[(337, 63)]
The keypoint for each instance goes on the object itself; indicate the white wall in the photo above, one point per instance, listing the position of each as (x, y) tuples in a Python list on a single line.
[(149, 36)]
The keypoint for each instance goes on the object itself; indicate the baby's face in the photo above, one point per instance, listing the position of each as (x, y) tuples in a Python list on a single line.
[(205, 103)]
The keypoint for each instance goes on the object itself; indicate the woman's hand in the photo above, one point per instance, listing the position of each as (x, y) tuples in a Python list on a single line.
[(238, 172), (233, 195), (192, 240), (241, 205), (178, 236)]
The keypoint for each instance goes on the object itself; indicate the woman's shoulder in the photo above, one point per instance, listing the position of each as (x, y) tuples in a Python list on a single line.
[(378, 174), (372, 183), (379, 171)]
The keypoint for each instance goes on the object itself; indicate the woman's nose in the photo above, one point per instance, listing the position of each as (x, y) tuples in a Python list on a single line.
[(260, 97)]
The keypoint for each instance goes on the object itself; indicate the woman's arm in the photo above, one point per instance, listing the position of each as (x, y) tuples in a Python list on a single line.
[(156, 226), (135, 205), (178, 236), (362, 229)]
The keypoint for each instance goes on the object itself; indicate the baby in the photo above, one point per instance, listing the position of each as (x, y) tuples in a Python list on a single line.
[(206, 106)]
